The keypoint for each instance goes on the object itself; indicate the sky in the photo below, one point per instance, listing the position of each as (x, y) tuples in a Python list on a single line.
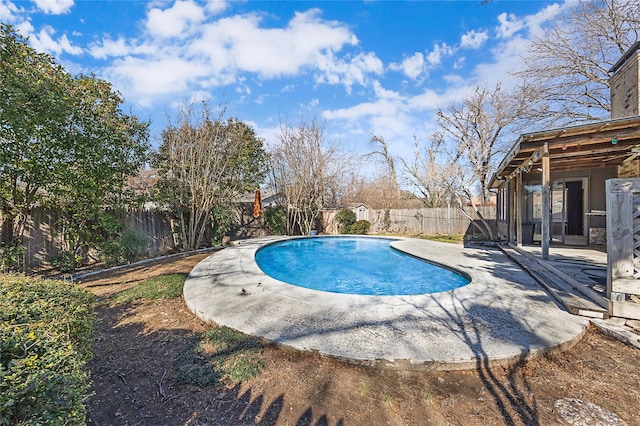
[(358, 67)]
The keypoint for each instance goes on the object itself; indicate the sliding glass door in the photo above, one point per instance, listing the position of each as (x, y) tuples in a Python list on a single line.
[(558, 211)]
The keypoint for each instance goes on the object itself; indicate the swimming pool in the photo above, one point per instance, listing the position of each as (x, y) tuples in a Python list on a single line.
[(354, 265)]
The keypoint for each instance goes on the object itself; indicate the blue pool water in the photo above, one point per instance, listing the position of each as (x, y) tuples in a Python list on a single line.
[(354, 265)]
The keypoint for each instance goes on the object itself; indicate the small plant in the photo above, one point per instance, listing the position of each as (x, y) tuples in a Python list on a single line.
[(65, 261), (221, 223), (345, 218), (386, 221), (12, 257), (133, 243), (362, 391), (155, 288), (129, 247), (387, 399), (428, 397), (276, 219), (219, 355), (361, 227)]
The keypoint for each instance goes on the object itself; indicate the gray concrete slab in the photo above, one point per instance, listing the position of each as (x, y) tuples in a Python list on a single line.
[(500, 317)]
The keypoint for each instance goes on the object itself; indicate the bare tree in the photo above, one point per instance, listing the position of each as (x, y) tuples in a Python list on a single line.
[(306, 172), (203, 163), (478, 128), (389, 180), (570, 63), (433, 170), (376, 191)]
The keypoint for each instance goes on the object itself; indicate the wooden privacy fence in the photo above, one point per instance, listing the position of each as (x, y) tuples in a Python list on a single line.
[(42, 237), (623, 247), (435, 221)]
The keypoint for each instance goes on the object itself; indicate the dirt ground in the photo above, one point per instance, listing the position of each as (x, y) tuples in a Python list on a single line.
[(134, 379)]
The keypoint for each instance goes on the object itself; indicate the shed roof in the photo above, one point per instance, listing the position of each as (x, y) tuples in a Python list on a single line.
[(587, 146)]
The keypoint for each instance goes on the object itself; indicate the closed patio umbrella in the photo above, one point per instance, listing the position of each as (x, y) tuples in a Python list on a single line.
[(257, 204)]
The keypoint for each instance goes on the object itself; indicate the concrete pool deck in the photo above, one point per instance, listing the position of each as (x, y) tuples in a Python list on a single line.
[(502, 316)]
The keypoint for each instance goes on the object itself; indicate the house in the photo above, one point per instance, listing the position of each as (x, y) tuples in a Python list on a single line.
[(551, 184)]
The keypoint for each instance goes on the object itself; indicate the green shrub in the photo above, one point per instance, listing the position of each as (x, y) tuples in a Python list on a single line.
[(360, 227), (134, 244), (12, 258), (345, 218), (386, 221), (276, 219), (64, 261), (110, 252), (128, 248), (45, 342), (222, 218)]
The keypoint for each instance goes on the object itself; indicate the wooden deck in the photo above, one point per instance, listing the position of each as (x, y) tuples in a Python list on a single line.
[(574, 276)]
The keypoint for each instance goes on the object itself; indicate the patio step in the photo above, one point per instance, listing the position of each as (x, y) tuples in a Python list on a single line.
[(556, 284)]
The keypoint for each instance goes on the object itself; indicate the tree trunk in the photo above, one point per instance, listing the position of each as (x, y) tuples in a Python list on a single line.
[(6, 233)]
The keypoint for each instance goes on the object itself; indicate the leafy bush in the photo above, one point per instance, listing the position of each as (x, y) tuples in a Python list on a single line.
[(11, 258), (276, 219), (45, 342), (64, 261), (346, 218), (111, 252), (360, 227), (134, 244), (129, 247), (386, 221)]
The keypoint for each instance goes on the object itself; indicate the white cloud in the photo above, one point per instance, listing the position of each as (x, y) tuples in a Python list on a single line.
[(454, 79), (438, 53), (509, 25), (44, 41), (459, 62), (239, 43), (506, 59), (382, 93), (109, 48), (54, 7), (536, 21), (474, 39), (517, 34), (121, 47), (348, 72), (412, 66), (222, 50), (179, 20), (147, 79), (8, 11), (25, 28), (215, 7)]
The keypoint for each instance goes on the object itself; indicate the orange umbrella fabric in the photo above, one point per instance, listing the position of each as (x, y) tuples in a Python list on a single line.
[(257, 204)]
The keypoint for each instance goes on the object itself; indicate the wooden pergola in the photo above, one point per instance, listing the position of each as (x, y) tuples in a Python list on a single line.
[(589, 146)]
